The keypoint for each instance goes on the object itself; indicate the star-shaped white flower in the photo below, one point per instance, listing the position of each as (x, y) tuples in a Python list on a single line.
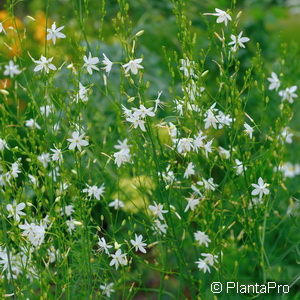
[(15, 210), (77, 141), (238, 41), (107, 64), (54, 33), (44, 64), (223, 16), (274, 82), (260, 188), (90, 63), (138, 243), (133, 66)]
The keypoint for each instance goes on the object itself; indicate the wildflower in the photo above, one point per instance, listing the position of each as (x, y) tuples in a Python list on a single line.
[(52, 253), (118, 259), (44, 159), (32, 179), (34, 233), (103, 245), (158, 102), (290, 170), (187, 66), (143, 112), (137, 122), (44, 64), (54, 33), (207, 148), (107, 63), (57, 155), (46, 110), (11, 69), (238, 41), (90, 63), (107, 289), (239, 167), (67, 210), (138, 243), (160, 227), (223, 16), (15, 210), (209, 260), (289, 94), (189, 170), (123, 155), (202, 238), (260, 188), (224, 153), (198, 141), (133, 66), (248, 130), (208, 184), (94, 191), (286, 135), (274, 82), (157, 210), (116, 204), (32, 124), (2, 28), (82, 94), (77, 141), (192, 203), (255, 202), (71, 225), (3, 145), (185, 145)]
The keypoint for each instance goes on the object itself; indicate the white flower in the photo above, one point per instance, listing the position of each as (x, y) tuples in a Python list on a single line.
[(248, 129), (185, 145), (209, 184), (160, 227), (54, 33), (94, 191), (287, 135), (11, 69), (290, 170), (138, 243), (202, 265), (187, 66), (289, 94), (223, 16), (44, 159), (57, 155), (202, 238), (71, 224), (224, 153), (157, 210), (207, 148), (34, 233), (32, 124), (116, 204), (103, 245), (192, 203), (107, 63), (2, 28), (67, 210), (189, 170), (123, 155), (118, 259), (77, 141), (143, 112), (3, 145), (239, 167), (209, 260), (238, 41), (90, 63), (15, 210), (82, 94), (44, 64), (260, 188), (274, 82), (107, 289), (133, 66), (46, 110)]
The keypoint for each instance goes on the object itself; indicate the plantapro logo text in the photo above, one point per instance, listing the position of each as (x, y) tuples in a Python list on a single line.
[(232, 287)]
